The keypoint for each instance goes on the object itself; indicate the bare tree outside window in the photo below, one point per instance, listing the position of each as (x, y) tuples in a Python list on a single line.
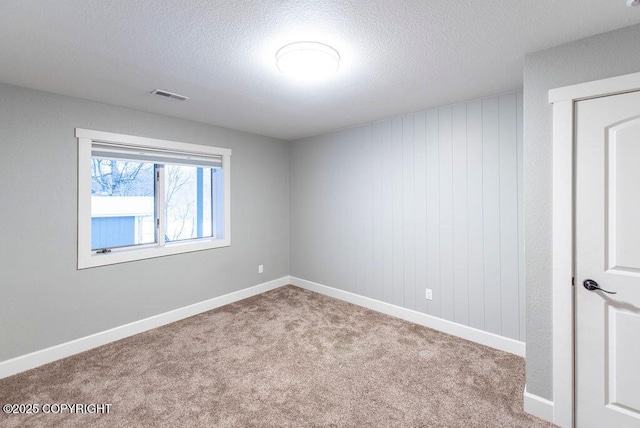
[(189, 212), (112, 177), (124, 184), (178, 209)]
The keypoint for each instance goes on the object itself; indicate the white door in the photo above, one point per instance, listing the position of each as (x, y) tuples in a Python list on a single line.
[(608, 253)]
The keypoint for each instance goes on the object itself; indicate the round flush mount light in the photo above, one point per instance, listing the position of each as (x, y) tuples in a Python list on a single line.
[(307, 60)]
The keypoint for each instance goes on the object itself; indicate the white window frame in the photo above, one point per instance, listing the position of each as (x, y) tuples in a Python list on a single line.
[(88, 258)]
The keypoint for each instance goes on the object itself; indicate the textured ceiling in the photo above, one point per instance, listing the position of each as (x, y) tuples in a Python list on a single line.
[(397, 56)]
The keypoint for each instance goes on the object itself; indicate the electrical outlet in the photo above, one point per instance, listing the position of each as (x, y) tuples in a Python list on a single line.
[(429, 294), (260, 268)]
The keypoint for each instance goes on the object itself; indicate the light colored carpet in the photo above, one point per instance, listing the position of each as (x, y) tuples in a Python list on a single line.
[(286, 358)]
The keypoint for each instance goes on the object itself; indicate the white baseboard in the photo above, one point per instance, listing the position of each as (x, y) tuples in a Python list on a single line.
[(48, 355), (469, 333), (538, 406)]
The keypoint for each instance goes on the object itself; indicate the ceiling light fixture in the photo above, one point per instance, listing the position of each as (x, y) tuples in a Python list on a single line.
[(307, 60)]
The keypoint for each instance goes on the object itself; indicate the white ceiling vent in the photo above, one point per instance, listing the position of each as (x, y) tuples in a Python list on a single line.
[(168, 94)]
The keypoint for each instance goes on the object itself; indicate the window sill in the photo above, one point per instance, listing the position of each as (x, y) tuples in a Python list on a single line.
[(133, 254)]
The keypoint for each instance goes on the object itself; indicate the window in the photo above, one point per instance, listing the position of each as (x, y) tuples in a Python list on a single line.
[(140, 198)]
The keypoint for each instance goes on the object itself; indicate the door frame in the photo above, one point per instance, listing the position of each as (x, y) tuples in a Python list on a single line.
[(563, 101)]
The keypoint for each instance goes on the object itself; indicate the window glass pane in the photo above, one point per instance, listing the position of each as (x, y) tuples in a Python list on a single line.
[(188, 202), (122, 203)]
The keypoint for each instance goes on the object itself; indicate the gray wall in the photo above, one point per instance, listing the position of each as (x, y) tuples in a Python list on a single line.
[(44, 299), (387, 209), (605, 55)]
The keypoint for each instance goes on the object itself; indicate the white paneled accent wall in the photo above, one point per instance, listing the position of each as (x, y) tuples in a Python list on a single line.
[(428, 200)]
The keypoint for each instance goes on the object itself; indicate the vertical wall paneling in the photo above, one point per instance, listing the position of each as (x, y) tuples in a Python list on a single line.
[(398, 213), (339, 165), (409, 239), (341, 206), (433, 210), (352, 258), (460, 220), (475, 222), (520, 149), (331, 203), (336, 168), (387, 210), (491, 218), (420, 198), (357, 196), (327, 236), (509, 216), (378, 166), (446, 215), (366, 211), (428, 200)]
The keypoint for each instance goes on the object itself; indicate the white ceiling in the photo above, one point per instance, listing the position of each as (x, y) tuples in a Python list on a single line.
[(397, 56)]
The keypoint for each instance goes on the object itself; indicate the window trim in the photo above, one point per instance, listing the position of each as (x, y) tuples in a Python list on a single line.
[(88, 258)]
